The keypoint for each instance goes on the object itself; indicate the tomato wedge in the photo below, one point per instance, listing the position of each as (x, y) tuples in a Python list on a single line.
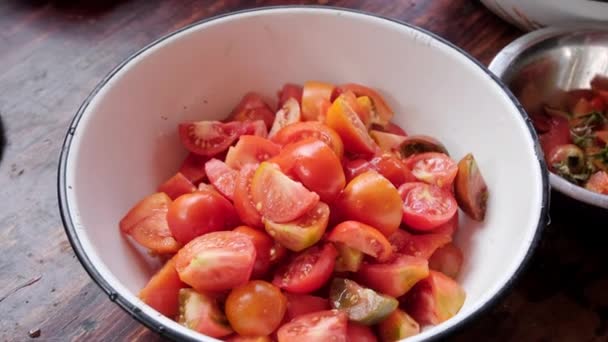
[(308, 271), (397, 326), (162, 290), (301, 304), (201, 312), (287, 115), (447, 260), (222, 177), (388, 142), (263, 246), (426, 207), (243, 201), (470, 188), (193, 168), (177, 186), (396, 277), (349, 259), (382, 113), (362, 237), (290, 91), (302, 130), (216, 261), (329, 325), (302, 233), (208, 138), (316, 97), (279, 198), (342, 117), (418, 245), (416, 144), (252, 108), (433, 168), (366, 110), (251, 149), (388, 165)]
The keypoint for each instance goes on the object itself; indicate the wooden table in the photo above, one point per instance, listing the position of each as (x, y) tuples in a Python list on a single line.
[(52, 54)]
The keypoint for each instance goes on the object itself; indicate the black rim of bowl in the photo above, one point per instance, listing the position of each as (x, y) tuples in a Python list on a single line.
[(150, 321)]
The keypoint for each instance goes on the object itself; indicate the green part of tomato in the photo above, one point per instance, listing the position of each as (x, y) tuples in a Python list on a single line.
[(349, 259), (361, 304)]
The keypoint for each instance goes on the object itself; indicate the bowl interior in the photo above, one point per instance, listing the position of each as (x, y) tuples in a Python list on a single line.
[(125, 142)]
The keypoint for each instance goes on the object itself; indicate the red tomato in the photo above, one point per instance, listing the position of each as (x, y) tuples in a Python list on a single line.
[(201, 312), (256, 308), (193, 168), (387, 165), (366, 110), (388, 142), (314, 164), (222, 177), (177, 186), (263, 245), (433, 168), (449, 228), (598, 182), (287, 115), (559, 134), (396, 277), (208, 138), (359, 333), (243, 202), (447, 260), (598, 104), (279, 198), (315, 97), (195, 214), (342, 117), (216, 261), (418, 245), (303, 232), (308, 271), (290, 91), (393, 128), (362, 237), (251, 108), (251, 149), (426, 207), (373, 200), (301, 304), (329, 325), (382, 112), (147, 224), (161, 292), (302, 130), (399, 325)]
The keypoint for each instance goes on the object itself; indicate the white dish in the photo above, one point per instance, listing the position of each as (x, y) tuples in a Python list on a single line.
[(123, 142)]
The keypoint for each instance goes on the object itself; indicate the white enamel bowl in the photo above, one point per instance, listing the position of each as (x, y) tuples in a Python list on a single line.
[(123, 142)]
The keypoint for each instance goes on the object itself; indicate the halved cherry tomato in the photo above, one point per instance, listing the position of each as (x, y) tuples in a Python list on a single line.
[(302, 233), (329, 325), (361, 304), (388, 142), (362, 237), (256, 308), (308, 271), (193, 168), (447, 260), (418, 245), (433, 168), (315, 97), (251, 108), (598, 182), (372, 199), (208, 138), (216, 261), (243, 201), (279, 198), (302, 304), (177, 186), (302, 130), (359, 333), (287, 115), (147, 224), (314, 164), (397, 326), (263, 245), (251, 149), (470, 188), (200, 312), (342, 117), (389, 166), (162, 290), (382, 112), (426, 206), (200, 212), (396, 277), (417, 144), (290, 91), (222, 177)]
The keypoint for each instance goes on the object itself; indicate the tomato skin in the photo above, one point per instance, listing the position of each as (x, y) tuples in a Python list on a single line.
[(598, 182), (200, 212), (397, 326), (302, 130), (303, 232), (290, 91), (342, 117), (216, 261), (329, 325), (177, 186), (302, 304), (349, 259), (426, 206), (315, 97), (208, 138), (598, 104), (193, 168), (387, 165), (418, 245), (162, 290), (288, 114), (251, 108), (470, 188), (243, 201), (388, 142), (371, 199), (361, 304), (308, 271), (251, 149), (396, 277), (256, 308), (359, 333), (383, 113), (222, 177), (263, 245), (447, 260), (200, 312), (433, 168), (362, 237)]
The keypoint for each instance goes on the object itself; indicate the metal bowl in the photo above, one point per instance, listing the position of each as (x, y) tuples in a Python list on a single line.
[(553, 60)]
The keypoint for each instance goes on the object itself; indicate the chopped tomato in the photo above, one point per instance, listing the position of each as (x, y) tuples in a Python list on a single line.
[(399, 325), (426, 206), (287, 115), (558, 134), (598, 104), (359, 333), (349, 258), (393, 128), (382, 113), (256, 308), (263, 245), (222, 177), (216, 261), (315, 98), (208, 138), (470, 188), (388, 142), (329, 325), (394, 278), (417, 144), (279, 198), (252, 108), (598, 182), (366, 110), (243, 201), (362, 237), (251, 149), (447, 260), (162, 291), (301, 304), (302, 130), (418, 245), (177, 186), (372, 199), (449, 228), (200, 212), (389, 166), (290, 91), (362, 305), (308, 271), (433, 168), (302, 233), (193, 168), (200, 312), (342, 117)]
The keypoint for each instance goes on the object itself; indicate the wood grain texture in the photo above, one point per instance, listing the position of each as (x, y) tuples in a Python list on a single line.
[(52, 54)]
